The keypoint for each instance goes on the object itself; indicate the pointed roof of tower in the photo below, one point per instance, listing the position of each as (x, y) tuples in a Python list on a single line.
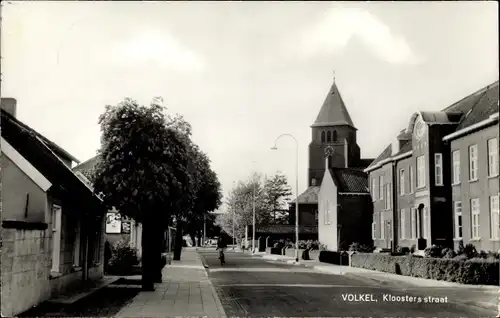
[(333, 112)]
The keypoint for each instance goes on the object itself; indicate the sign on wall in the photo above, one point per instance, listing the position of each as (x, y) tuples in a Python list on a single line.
[(113, 223), (126, 227)]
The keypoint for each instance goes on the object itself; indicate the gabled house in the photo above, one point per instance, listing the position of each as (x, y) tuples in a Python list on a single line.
[(345, 208), (437, 183), (52, 222), (118, 228)]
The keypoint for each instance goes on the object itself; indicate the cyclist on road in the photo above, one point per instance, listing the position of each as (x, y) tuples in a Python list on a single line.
[(221, 245)]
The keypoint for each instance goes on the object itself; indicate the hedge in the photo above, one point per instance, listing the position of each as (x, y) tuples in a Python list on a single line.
[(475, 271), (336, 258)]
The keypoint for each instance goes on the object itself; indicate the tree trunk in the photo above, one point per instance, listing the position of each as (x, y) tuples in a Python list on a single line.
[(200, 239), (178, 243), (192, 235), (148, 255), (158, 243)]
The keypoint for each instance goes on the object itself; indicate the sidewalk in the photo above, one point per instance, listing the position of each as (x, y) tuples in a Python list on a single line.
[(185, 291)]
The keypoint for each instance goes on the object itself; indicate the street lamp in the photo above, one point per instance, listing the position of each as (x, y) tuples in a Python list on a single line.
[(296, 192), (253, 218), (233, 221)]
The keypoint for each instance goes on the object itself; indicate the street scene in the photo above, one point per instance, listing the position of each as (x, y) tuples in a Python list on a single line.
[(250, 159)]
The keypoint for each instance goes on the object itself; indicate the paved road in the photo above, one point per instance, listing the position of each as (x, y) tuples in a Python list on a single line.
[(251, 286)]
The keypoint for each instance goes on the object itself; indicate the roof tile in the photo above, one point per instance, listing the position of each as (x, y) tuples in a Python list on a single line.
[(350, 180)]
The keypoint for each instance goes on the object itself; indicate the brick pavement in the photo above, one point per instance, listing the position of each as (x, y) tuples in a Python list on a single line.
[(185, 291)]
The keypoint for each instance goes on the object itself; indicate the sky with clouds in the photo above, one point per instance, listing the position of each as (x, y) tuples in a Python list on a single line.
[(243, 73)]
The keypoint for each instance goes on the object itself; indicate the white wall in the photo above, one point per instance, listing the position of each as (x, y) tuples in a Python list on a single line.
[(327, 199)]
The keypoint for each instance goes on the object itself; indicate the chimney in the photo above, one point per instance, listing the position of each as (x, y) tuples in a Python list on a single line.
[(9, 105), (396, 146), (346, 155)]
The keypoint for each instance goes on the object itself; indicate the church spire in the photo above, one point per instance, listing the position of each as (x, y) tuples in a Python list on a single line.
[(333, 112)]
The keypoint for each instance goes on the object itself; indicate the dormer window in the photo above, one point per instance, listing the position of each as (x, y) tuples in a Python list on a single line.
[(329, 136), (322, 136), (334, 135)]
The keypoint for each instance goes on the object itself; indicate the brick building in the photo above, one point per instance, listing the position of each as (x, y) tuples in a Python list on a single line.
[(438, 180), (334, 129)]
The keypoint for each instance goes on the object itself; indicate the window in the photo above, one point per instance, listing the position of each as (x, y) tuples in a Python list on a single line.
[(420, 172), (495, 217), (56, 238), (473, 163), (492, 157), (411, 179), (387, 200), (456, 166), (322, 136), (374, 231), (329, 136), (402, 181), (474, 208), (457, 211), (438, 169), (402, 224), (334, 135), (427, 223), (76, 247), (381, 187), (374, 186), (382, 226), (414, 226)]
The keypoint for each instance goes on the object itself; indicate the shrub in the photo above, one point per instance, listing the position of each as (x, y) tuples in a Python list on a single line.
[(461, 248), (309, 244), (460, 257), (322, 247), (433, 251), (356, 247), (448, 253), (276, 250), (413, 248), (123, 260), (337, 258), (493, 255), (482, 254), (470, 251), (476, 271), (403, 249)]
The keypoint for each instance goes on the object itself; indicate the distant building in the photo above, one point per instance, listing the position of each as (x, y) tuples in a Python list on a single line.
[(438, 180), (333, 129)]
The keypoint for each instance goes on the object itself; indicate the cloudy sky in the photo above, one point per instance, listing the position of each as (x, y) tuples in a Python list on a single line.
[(244, 73)]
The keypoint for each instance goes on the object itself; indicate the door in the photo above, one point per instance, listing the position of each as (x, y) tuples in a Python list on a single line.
[(388, 231)]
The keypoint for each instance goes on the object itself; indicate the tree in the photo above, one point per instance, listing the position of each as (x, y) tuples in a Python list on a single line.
[(277, 193), (143, 172), (202, 190), (270, 196)]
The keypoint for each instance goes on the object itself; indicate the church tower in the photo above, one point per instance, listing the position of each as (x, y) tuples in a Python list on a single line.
[(333, 128)]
